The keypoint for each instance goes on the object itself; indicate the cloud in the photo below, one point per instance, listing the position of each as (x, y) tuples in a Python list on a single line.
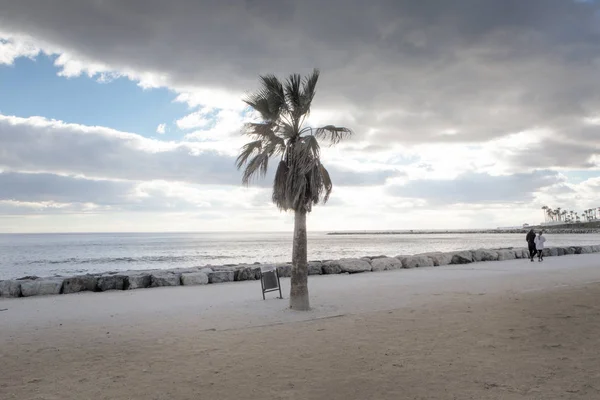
[(478, 188), (40, 145), (197, 119), (44, 187), (396, 71), (11, 49), (346, 177), (34, 193), (432, 89)]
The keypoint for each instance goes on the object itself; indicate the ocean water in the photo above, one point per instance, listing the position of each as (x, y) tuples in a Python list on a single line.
[(67, 254)]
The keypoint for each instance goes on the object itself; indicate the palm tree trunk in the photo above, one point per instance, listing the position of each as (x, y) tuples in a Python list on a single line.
[(299, 290)]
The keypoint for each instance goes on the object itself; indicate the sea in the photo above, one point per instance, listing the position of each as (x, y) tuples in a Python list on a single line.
[(80, 253)]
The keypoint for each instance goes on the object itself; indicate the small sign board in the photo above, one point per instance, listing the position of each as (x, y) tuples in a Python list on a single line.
[(269, 280)]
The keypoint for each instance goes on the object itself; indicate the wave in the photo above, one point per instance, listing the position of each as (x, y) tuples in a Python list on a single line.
[(127, 260)]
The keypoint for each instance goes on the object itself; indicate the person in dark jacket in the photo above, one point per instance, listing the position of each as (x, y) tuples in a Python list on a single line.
[(531, 243)]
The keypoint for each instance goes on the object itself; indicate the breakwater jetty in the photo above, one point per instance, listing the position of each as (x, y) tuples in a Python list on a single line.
[(203, 275)]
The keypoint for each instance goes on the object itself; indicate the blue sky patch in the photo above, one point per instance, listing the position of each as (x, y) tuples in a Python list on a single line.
[(33, 88)]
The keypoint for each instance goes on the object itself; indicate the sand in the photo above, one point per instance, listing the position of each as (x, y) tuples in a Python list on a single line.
[(504, 330)]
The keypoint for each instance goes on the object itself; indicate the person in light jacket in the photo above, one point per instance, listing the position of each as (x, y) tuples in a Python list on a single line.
[(539, 245)]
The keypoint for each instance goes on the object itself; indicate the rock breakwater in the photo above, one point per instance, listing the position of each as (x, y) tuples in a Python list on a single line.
[(141, 279)]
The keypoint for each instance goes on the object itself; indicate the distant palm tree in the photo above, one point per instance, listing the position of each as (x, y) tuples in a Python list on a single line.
[(545, 208), (301, 181)]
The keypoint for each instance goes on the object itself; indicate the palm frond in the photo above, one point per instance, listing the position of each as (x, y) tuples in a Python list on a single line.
[(307, 153), (269, 100), (274, 88), (288, 131), (280, 197), (293, 95), (256, 167), (309, 85), (334, 134), (327, 184), (247, 151), (261, 105)]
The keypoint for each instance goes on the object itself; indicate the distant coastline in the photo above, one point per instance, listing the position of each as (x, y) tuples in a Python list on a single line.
[(591, 227)]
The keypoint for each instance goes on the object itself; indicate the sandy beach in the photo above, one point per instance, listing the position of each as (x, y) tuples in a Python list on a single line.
[(502, 330)]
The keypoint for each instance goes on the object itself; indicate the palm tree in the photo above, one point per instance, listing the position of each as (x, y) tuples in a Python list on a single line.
[(301, 181), (550, 214), (545, 208)]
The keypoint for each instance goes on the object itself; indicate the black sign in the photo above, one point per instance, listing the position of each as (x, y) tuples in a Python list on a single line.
[(269, 281)]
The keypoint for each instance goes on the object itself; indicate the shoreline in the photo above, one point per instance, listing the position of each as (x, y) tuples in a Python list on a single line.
[(202, 275)]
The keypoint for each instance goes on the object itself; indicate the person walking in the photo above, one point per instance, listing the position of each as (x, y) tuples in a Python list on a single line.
[(531, 243), (539, 245)]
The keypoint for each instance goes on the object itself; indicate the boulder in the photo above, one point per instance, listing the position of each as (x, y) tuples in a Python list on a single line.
[(315, 268), (596, 249), (111, 282), (480, 255), (375, 257), (462, 257), (163, 278), (417, 262), (504, 255), (80, 283), (578, 249), (349, 265), (284, 270), (521, 253), (569, 250), (137, 281), (553, 252), (440, 259), (546, 252), (385, 264), (194, 278), (206, 270), (524, 253), (41, 287), (586, 250), (246, 273), (221, 276), (560, 251), (10, 288), (28, 278), (331, 268)]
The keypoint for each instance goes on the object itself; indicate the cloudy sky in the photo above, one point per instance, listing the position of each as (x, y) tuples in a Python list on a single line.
[(125, 115)]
